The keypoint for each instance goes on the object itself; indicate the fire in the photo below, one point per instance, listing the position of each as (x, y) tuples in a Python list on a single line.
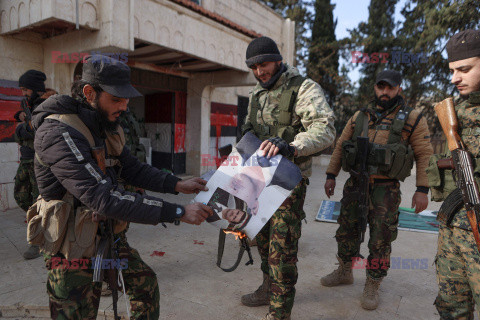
[(237, 234)]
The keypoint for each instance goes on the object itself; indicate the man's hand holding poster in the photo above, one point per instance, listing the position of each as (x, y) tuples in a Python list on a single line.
[(248, 188)]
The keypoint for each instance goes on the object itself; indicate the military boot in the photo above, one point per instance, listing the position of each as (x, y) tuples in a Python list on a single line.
[(269, 316), (32, 253), (261, 296), (343, 275), (370, 294)]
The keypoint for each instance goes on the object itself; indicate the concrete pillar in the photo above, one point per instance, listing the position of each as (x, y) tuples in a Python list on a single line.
[(199, 92)]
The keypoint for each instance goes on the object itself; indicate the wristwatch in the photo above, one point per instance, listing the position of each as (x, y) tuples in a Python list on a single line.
[(179, 214)]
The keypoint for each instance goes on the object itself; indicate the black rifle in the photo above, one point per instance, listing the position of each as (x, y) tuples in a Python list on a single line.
[(362, 180), (28, 113)]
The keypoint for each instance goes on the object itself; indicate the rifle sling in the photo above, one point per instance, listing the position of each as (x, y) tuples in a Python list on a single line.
[(221, 247)]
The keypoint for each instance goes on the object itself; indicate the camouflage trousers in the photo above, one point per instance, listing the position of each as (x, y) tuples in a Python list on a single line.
[(458, 273), (278, 246), (385, 198), (25, 189), (73, 295)]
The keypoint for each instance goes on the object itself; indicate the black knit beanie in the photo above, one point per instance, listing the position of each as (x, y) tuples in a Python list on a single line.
[(33, 80), (261, 50)]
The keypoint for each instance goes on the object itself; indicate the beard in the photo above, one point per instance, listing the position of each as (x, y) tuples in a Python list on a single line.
[(102, 116), (387, 104), (275, 70)]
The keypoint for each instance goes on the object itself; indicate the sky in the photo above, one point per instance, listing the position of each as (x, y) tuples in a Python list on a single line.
[(349, 13)]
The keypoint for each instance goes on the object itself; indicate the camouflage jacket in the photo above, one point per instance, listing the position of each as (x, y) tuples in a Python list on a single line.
[(468, 114), (311, 111)]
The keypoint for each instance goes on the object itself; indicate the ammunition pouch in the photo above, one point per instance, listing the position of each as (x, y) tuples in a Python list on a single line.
[(392, 160), (401, 159), (56, 226), (441, 181), (349, 154)]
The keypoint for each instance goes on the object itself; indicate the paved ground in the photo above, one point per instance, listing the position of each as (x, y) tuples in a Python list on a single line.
[(192, 287)]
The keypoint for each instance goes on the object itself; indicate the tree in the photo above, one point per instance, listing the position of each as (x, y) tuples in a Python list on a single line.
[(323, 54), (428, 26), (295, 10), (374, 36)]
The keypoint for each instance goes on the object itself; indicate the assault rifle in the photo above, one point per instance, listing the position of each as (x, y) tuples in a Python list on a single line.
[(362, 179), (463, 164), (28, 113)]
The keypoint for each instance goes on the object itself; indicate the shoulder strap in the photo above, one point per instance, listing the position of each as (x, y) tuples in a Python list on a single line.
[(398, 123), (288, 100), (75, 122), (361, 125)]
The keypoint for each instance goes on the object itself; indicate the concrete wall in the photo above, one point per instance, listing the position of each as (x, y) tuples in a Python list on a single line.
[(18, 14), (9, 160), (256, 16), (116, 24)]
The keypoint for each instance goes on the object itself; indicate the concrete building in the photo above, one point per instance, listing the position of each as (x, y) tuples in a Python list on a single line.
[(187, 59)]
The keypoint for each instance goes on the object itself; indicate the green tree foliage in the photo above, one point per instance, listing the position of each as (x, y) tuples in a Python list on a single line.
[(295, 10), (323, 53), (374, 36), (428, 26)]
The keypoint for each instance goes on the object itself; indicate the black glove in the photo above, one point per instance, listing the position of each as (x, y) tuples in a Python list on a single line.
[(286, 150)]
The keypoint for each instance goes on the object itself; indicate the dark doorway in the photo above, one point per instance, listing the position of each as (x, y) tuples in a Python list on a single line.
[(167, 111), (241, 115)]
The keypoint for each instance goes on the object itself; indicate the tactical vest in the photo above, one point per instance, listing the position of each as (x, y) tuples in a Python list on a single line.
[(283, 126), (394, 159), (57, 225)]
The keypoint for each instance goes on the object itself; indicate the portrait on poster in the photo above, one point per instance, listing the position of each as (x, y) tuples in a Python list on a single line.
[(248, 188)]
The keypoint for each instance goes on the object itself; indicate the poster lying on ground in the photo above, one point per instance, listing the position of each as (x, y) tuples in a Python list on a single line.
[(248, 188), (424, 221)]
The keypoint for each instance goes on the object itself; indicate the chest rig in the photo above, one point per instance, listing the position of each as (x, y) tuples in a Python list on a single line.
[(282, 126), (393, 159), (61, 226)]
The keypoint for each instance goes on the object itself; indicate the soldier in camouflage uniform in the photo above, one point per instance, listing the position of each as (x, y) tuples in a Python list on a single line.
[(458, 259), (25, 189), (290, 114), (388, 121)]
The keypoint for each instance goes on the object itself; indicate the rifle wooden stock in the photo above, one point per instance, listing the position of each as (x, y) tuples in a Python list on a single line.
[(474, 224), (448, 120)]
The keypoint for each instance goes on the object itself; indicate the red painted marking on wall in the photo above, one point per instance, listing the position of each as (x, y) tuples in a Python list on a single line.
[(8, 109), (157, 254), (11, 91), (180, 130), (7, 131), (227, 120), (198, 242)]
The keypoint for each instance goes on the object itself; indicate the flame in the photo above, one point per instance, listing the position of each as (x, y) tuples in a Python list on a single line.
[(237, 234)]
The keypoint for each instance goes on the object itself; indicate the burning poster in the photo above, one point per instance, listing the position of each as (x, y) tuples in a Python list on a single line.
[(248, 188)]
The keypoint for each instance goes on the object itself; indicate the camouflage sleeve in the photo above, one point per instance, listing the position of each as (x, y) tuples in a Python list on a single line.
[(316, 117)]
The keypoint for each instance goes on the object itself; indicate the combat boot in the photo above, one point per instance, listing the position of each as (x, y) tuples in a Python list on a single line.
[(343, 275), (370, 294), (32, 253), (269, 316), (261, 297)]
